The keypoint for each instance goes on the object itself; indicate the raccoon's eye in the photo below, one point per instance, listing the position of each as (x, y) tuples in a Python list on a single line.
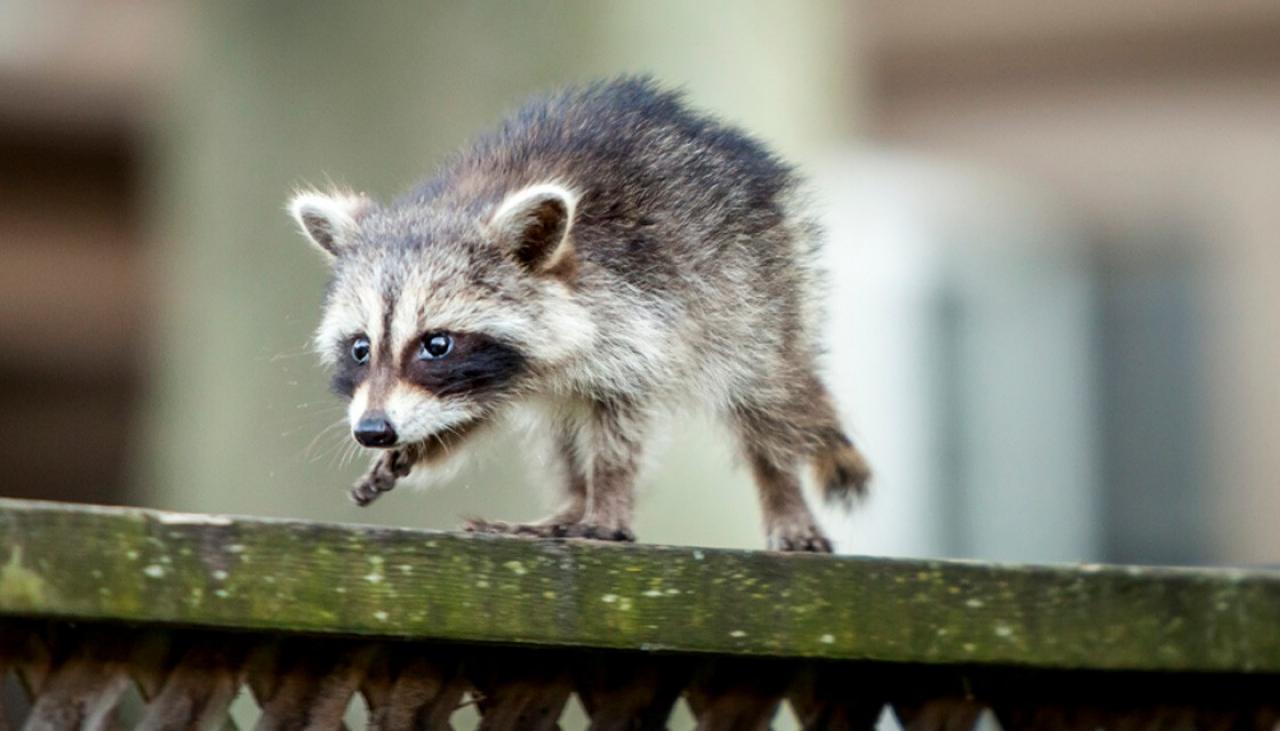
[(360, 350), (435, 346)]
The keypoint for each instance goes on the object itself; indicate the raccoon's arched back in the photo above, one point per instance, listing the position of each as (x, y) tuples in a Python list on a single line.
[(623, 143)]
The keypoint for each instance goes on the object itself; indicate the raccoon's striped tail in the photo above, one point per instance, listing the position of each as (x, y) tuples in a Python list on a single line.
[(841, 470)]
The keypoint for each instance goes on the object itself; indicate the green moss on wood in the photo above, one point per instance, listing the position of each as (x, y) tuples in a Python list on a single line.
[(146, 566)]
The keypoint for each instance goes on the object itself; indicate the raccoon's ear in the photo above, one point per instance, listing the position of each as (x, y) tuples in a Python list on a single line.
[(328, 219), (533, 224)]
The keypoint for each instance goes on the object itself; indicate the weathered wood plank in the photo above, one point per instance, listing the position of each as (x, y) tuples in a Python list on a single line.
[(212, 571)]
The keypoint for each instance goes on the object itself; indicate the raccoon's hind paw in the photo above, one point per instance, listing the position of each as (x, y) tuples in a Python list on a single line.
[(799, 539)]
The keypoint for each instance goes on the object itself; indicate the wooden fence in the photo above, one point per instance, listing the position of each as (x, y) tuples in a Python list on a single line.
[(112, 618)]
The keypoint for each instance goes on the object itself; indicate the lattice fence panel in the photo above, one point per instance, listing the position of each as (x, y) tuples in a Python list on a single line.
[(103, 677)]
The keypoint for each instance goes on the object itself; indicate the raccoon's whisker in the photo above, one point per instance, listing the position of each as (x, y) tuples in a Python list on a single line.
[(438, 437), (353, 450), (305, 415), (286, 355), (344, 453), (339, 455), (323, 405), (328, 430), (452, 430), (334, 453), (277, 357)]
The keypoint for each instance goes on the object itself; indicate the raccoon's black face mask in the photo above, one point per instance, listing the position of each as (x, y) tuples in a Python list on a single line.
[(455, 377)]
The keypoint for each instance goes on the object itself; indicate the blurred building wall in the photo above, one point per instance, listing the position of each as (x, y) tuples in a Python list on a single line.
[(273, 95), (1156, 126), (961, 330), (75, 79)]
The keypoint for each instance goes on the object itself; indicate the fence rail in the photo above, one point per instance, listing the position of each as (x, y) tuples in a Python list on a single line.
[(182, 611)]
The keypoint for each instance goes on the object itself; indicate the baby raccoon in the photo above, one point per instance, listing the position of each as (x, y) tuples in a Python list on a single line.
[(604, 253)]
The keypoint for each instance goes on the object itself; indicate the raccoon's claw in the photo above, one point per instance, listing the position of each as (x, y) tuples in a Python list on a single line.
[(595, 532), (549, 530), (803, 539), (500, 527), (480, 525)]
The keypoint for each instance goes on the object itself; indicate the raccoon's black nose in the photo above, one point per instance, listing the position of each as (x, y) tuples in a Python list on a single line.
[(375, 431)]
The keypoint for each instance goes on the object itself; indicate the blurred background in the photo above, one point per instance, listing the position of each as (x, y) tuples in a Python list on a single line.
[(1054, 252)]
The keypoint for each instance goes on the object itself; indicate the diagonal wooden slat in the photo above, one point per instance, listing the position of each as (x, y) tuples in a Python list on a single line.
[(737, 695), (838, 698), (938, 714), (80, 695), (198, 690), (1153, 718), (5, 710), (7, 656), (300, 686), (29, 655), (1028, 701), (1172, 714), (1023, 716), (520, 690), (622, 695), (411, 688), (25, 656), (152, 654)]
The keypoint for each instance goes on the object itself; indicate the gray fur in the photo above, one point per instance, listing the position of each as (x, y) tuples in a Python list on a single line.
[(605, 254)]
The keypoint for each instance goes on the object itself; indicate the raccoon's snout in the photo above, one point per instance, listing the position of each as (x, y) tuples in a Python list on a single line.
[(374, 430)]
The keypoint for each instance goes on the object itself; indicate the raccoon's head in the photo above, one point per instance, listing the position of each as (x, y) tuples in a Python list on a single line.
[(439, 314)]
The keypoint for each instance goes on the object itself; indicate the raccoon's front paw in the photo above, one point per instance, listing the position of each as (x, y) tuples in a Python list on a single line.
[(380, 478), (804, 537)]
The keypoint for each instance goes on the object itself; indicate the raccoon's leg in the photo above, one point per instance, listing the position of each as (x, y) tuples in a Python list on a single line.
[(614, 440), (774, 440), (573, 500), (603, 457), (842, 472), (788, 523)]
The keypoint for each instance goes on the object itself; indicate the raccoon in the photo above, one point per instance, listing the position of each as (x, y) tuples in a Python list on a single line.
[(606, 253)]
